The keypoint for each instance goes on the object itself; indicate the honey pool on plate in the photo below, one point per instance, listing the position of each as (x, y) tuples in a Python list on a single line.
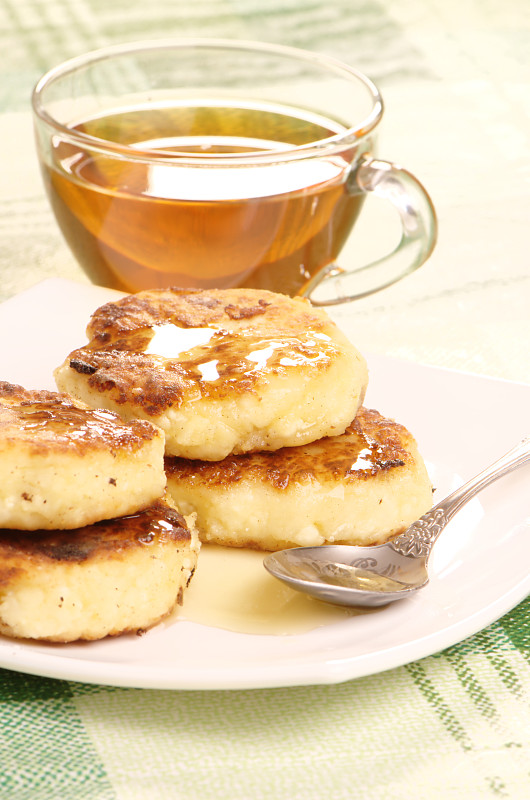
[(232, 590), (135, 225)]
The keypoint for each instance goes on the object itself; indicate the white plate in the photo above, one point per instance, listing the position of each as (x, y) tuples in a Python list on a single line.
[(479, 569)]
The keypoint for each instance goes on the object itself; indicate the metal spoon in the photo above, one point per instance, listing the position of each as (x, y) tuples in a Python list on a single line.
[(373, 576)]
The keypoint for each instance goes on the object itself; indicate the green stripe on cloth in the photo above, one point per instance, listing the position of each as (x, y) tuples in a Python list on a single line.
[(516, 626), (45, 752), (472, 686), (439, 704)]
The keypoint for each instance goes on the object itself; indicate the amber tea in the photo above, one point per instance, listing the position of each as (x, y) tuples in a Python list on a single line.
[(164, 221)]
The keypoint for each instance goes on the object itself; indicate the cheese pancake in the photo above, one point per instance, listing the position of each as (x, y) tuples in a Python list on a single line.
[(64, 465), (113, 577), (220, 371), (362, 487)]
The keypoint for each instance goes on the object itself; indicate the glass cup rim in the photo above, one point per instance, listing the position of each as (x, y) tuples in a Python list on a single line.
[(335, 143)]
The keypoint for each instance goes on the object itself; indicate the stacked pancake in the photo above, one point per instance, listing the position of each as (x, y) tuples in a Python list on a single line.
[(260, 399), (89, 544)]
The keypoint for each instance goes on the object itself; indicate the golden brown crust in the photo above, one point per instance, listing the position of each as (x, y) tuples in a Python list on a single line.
[(94, 544), (361, 487), (46, 420), (155, 350), (188, 308), (371, 445)]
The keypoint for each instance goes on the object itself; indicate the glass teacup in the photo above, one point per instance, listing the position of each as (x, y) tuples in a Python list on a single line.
[(210, 163)]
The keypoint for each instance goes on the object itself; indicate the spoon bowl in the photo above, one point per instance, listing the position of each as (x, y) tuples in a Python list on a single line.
[(351, 575)]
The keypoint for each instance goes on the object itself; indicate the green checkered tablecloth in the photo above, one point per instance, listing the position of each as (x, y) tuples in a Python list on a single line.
[(453, 726)]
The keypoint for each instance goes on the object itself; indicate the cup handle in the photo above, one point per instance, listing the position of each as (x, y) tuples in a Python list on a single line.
[(419, 230)]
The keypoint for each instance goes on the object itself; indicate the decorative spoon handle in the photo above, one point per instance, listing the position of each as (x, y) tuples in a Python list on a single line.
[(419, 538)]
